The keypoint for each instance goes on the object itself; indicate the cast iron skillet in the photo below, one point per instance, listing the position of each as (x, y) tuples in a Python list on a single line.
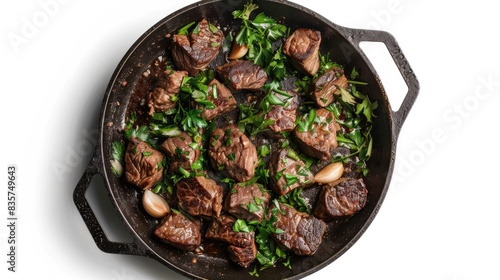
[(343, 45)]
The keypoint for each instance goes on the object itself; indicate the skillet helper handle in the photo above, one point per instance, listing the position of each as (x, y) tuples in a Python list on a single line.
[(95, 169), (360, 35)]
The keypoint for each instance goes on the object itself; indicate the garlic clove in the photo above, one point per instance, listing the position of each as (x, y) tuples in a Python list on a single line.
[(154, 204), (330, 173), (238, 51)]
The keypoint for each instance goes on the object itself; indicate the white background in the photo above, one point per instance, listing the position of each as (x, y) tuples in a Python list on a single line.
[(440, 219)]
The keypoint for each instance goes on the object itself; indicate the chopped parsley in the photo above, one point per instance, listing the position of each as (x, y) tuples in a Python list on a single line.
[(258, 34)]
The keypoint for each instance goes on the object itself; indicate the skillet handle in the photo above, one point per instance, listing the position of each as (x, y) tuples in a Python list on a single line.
[(359, 35), (95, 169)]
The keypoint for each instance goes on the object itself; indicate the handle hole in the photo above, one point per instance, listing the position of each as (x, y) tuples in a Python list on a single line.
[(106, 214), (394, 84)]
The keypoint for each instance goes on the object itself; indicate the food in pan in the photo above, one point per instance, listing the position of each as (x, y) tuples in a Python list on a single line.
[(237, 125)]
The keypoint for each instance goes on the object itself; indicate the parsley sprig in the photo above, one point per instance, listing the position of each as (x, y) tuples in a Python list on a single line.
[(258, 34), (193, 89)]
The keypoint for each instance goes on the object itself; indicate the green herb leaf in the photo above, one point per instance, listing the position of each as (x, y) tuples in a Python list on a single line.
[(294, 199), (141, 133), (185, 29), (264, 150), (184, 172), (245, 13), (346, 96), (305, 123), (241, 226), (116, 167), (366, 108), (164, 130), (252, 207), (118, 150)]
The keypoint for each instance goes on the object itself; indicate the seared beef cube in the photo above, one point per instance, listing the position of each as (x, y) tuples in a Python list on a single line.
[(221, 229), (287, 172), (231, 151), (181, 151), (327, 85), (200, 196), (160, 99), (242, 74), (179, 231), (242, 249), (317, 141), (283, 115), (340, 199), (195, 51), (143, 164), (247, 202), (302, 233), (222, 99), (243, 256), (302, 48)]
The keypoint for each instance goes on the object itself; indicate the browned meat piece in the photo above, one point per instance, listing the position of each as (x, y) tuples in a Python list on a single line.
[(327, 85), (195, 51), (160, 99), (287, 172), (179, 231), (221, 229), (284, 115), (242, 249), (242, 74), (303, 47), (181, 151), (223, 100), (231, 151), (200, 196), (243, 256), (143, 164), (247, 202), (342, 198), (322, 137), (302, 233)]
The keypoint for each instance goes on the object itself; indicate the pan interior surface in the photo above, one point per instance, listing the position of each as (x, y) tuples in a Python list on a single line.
[(340, 236)]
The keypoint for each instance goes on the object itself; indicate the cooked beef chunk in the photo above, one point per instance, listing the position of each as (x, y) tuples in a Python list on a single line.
[(242, 249), (179, 231), (181, 151), (247, 202), (342, 198), (302, 233), (302, 48), (195, 51), (283, 115), (242, 74), (200, 196), (231, 151), (143, 164), (221, 229), (168, 85), (222, 99), (243, 256), (322, 137), (327, 85), (287, 172)]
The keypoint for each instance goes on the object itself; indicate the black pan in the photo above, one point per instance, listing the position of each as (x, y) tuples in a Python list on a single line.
[(343, 45)]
